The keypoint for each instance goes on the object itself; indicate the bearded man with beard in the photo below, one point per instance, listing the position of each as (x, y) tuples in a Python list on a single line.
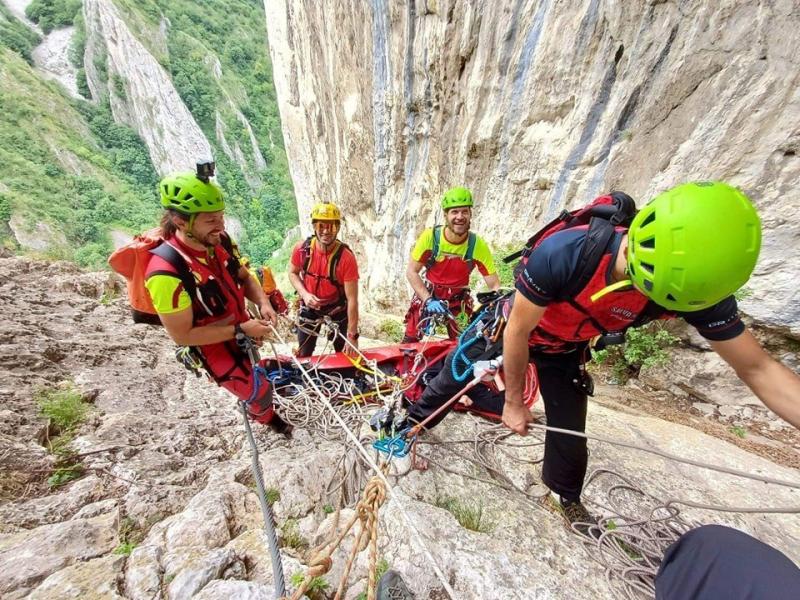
[(448, 254), (198, 286)]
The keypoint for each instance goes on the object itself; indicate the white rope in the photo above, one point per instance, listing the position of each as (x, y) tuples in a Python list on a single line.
[(357, 443)]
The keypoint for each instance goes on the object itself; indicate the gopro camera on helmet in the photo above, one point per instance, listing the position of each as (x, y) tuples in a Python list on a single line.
[(205, 170)]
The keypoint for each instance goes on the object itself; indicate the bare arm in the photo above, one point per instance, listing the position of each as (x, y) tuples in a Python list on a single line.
[(351, 293), (776, 386), (415, 279), (524, 317), (492, 282)]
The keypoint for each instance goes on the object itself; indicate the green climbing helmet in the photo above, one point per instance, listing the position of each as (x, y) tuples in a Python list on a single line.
[(694, 245), (455, 197), (187, 194)]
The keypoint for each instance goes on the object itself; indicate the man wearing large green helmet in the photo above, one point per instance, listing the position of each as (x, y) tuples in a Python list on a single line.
[(448, 254), (684, 255), (198, 284)]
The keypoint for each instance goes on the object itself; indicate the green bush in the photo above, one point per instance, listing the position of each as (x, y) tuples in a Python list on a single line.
[(391, 330), (52, 14), (15, 36), (644, 347), (77, 47), (506, 271), (5, 209)]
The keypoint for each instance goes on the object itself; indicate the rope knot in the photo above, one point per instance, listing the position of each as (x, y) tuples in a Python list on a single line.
[(319, 564)]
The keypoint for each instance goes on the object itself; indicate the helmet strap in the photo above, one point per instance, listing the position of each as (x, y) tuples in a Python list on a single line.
[(611, 288)]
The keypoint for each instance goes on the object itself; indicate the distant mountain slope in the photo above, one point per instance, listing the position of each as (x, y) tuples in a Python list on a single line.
[(163, 83)]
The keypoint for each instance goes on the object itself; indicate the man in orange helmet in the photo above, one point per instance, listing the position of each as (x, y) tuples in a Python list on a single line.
[(324, 272)]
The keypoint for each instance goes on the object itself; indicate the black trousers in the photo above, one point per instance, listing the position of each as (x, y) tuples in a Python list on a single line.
[(713, 561), (309, 318), (565, 402)]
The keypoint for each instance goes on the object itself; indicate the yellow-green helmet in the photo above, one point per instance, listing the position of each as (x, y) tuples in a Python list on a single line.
[(694, 245), (187, 194), (455, 197)]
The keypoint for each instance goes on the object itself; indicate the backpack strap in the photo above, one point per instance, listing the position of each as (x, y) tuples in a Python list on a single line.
[(333, 262), (599, 235), (306, 251), (437, 242), (235, 264), (472, 239), (174, 258)]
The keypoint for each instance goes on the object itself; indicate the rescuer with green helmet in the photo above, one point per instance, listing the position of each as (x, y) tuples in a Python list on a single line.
[(198, 283), (448, 254), (684, 255)]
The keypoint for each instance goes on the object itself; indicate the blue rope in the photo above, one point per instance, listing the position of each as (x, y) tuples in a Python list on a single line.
[(461, 348)]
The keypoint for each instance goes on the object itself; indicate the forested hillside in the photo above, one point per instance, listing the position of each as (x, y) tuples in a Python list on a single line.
[(72, 173)]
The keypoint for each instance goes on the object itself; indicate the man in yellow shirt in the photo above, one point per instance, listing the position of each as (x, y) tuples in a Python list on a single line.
[(448, 253)]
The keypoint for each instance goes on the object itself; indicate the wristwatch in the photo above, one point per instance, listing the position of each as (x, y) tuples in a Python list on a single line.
[(237, 329), (353, 336)]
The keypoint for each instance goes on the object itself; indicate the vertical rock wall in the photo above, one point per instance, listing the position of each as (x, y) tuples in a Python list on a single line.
[(538, 105), (146, 101)]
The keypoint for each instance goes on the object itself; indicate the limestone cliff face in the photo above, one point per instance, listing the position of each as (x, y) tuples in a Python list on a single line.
[(140, 91), (539, 105)]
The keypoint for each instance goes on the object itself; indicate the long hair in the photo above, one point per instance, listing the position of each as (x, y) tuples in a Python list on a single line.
[(168, 227)]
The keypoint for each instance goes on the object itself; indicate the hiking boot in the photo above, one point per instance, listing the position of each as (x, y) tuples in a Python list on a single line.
[(579, 519), (392, 587)]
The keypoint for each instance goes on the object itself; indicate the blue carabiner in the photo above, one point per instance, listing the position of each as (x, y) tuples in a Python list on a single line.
[(398, 445)]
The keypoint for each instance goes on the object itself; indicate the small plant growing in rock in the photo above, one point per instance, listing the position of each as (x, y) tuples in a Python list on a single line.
[(273, 495), (291, 536), (124, 549), (63, 406), (316, 589), (469, 516), (108, 297), (328, 509), (64, 474), (738, 431), (65, 409)]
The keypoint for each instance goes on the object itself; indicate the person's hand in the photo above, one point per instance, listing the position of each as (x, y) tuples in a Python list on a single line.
[(256, 329), (350, 350), (268, 313), (435, 307), (516, 417), (311, 301)]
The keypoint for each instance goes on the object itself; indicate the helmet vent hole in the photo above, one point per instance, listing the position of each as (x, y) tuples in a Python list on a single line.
[(648, 268), (650, 244), (648, 285), (648, 219), (671, 298)]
